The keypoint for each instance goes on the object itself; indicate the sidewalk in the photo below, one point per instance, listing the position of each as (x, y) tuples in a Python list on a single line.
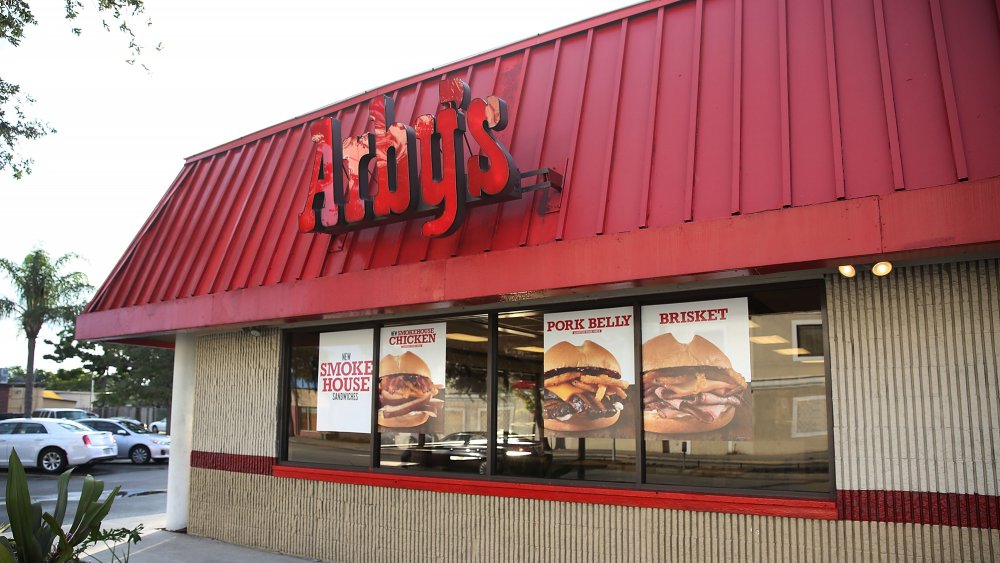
[(161, 546)]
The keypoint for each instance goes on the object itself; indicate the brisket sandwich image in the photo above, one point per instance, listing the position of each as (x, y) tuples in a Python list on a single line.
[(688, 388), (583, 388), (406, 391)]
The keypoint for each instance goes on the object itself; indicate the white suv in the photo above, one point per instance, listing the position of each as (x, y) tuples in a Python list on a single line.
[(68, 414)]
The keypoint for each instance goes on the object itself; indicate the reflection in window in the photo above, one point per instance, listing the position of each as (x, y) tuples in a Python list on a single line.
[(525, 448), (429, 422), (789, 449), (305, 443)]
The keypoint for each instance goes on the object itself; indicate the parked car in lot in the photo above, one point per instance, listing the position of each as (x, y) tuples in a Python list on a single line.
[(68, 414), (134, 442), (127, 419), (158, 426), (52, 444)]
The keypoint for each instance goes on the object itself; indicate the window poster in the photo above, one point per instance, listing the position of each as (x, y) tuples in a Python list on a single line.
[(696, 370), (412, 378), (344, 381), (589, 373)]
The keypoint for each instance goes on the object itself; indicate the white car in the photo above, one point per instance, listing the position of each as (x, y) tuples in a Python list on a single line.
[(52, 444), (134, 442), (158, 426)]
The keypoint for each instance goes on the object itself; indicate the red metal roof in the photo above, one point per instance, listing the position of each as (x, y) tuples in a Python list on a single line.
[(660, 115)]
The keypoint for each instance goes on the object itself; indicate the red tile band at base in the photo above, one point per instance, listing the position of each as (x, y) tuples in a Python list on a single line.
[(945, 509), (783, 507)]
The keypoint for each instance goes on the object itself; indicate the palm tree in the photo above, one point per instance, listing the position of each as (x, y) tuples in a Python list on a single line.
[(44, 295)]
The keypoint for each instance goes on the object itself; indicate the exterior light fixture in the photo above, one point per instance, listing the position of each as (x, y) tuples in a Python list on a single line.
[(847, 270), (882, 268)]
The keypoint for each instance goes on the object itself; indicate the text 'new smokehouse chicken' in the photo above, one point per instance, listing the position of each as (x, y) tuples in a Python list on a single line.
[(688, 387)]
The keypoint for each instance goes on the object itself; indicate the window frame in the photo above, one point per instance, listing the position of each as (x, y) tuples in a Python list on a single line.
[(491, 477)]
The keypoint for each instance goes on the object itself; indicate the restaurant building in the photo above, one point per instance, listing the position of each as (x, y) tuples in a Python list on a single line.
[(709, 279)]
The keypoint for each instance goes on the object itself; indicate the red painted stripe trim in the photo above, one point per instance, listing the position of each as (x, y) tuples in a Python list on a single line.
[(789, 508), (786, 127), (236, 463), (942, 509), (831, 73), (890, 104), (693, 111), (650, 144), (735, 205), (602, 201), (574, 138), (948, 85), (526, 222)]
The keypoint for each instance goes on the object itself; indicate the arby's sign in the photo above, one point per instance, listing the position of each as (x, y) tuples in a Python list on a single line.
[(419, 170)]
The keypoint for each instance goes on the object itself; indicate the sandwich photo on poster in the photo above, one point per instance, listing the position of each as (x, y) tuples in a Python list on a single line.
[(411, 377), (696, 370), (344, 381), (588, 373)]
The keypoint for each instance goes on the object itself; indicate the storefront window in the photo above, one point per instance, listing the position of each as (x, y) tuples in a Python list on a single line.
[(307, 441), (726, 392), (704, 429), (432, 395)]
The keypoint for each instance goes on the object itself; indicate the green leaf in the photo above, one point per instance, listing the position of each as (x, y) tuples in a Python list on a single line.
[(20, 511), (7, 552)]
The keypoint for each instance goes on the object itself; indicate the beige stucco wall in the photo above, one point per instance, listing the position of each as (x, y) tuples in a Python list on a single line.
[(916, 395)]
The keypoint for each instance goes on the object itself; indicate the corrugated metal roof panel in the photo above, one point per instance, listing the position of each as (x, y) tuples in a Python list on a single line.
[(659, 114)]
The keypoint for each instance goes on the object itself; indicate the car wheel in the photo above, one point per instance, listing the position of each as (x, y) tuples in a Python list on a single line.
[(52, 460), (154, 429), (139, 455), (482, 468)]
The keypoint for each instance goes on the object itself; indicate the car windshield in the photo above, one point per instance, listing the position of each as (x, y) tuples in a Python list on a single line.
[(73, 426), (133, 427)]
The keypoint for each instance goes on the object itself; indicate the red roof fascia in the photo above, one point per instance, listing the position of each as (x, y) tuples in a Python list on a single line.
[(949, 217)]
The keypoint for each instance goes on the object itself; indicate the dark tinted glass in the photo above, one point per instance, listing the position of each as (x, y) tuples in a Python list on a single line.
[(788, 447), (525, 447), (454, 437), (305, 443)]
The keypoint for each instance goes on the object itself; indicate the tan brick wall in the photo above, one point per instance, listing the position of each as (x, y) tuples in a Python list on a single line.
[(334, 522), (236, 393), (916, 393)]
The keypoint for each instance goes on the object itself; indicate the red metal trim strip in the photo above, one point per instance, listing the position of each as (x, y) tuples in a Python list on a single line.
[(831, 73), (650, 143), (236, 463), (526, 222), (948, 85), (693, 113), (168, 285), (786, 127), (914, 507), (507, 137), (574, 141), (762, 506), (222, 221), (735, 206), (887, 94), (281, 203), (602, 201)]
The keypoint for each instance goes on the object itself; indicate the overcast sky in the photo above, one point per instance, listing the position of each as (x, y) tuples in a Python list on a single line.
[(227, 68)]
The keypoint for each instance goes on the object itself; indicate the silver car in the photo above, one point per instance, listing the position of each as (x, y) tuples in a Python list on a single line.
[(52, 444), (134, 442)]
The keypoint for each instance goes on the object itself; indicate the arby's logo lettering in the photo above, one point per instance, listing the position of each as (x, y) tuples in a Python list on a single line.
[(374, 178)]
